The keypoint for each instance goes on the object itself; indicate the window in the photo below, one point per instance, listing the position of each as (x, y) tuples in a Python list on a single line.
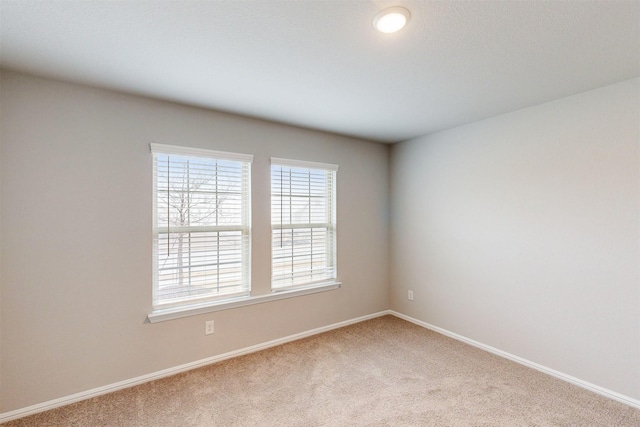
[(201, 226), (303, 223)]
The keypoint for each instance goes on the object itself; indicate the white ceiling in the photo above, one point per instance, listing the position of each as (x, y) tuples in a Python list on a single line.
[(320, 63)]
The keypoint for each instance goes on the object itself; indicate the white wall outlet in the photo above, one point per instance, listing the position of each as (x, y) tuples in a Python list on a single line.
[(410, 295), (208, 327)]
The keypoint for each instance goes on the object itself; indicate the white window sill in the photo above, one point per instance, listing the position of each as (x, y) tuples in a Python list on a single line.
[(176, 313)]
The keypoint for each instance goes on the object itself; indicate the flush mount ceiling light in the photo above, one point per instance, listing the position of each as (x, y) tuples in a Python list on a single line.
[(391, 20)]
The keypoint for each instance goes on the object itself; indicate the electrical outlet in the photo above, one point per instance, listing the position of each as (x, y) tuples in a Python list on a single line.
[(410, 295), (208, 327)]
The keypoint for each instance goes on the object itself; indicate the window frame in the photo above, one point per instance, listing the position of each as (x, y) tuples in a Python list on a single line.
[(161, 314), (330, 224), (190, 304)]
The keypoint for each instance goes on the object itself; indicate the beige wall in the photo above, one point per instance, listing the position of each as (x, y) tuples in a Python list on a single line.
[(76, 215), (522, 232)]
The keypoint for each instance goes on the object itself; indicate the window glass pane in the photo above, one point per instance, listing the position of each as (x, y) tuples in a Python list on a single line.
[(201, 228), (303, 226)]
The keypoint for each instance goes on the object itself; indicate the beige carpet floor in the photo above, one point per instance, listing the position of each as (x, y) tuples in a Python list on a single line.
[(382, 372)]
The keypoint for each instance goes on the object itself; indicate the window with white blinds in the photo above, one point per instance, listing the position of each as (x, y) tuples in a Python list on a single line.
[(303, 223), (201, 225)]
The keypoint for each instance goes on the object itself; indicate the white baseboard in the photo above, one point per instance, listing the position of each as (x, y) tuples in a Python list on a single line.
[(568, 378), (55, 403)]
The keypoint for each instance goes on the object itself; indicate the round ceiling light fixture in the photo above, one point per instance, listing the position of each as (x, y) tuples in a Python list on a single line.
[(391, 20)]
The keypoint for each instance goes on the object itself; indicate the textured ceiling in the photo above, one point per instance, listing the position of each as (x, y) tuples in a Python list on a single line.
[(320, 64)]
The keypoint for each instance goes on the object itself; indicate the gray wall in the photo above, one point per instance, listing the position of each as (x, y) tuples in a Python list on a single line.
[(521, 232), (1, 123), (76, 215)]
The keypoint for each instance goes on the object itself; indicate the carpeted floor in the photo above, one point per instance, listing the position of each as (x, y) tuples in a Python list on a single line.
[(382, 372)]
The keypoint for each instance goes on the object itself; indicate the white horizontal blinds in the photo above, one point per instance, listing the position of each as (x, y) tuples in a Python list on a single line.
[(201, 226), (303, 219)]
